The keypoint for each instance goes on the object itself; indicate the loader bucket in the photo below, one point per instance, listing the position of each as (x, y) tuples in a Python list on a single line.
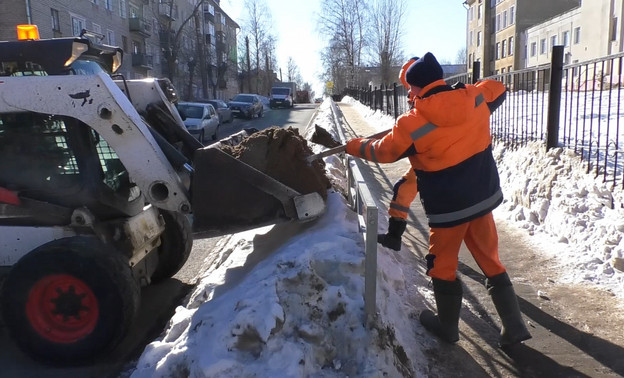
[(229, 196)]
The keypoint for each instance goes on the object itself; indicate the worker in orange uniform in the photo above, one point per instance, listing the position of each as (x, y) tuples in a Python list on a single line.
[(446, 138), (404, 190)]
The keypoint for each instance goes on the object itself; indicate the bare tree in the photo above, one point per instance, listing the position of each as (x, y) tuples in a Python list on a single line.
[(173, 35), (293, 73), (386, 31), (343, 21), (333, 62), (256, 26), (461, 56)]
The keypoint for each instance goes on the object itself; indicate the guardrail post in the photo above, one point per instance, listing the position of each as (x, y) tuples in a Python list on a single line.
[(361, 200), (554, 97)]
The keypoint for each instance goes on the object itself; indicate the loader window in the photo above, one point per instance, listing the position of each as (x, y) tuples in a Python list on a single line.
[(34, 154), (116, 176)]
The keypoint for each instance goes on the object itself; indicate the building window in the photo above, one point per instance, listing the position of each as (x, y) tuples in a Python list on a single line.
[(533, 48), (96, 28), (504, 19), (124, 43), (110, 37), (614, 28), (122, 9), (512, 15), (478, 38), (511, 46), (56, 25), (471, 13), (577, 35), (543, 46), (497, 50), (498, 22), (566, 38), (108, 4), (504, 48), (480, 11), (553, 41), (78, 24), (470, 40)]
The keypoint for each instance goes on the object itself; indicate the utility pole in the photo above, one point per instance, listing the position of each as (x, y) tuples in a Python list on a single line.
[(248, 64)]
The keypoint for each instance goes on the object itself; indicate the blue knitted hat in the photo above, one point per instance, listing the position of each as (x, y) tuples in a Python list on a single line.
[(424, 71)]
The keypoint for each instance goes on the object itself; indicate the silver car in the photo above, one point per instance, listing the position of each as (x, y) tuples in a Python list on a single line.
[(201, 120)]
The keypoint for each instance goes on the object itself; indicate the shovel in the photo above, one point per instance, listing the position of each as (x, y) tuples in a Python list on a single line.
[(342, 147)]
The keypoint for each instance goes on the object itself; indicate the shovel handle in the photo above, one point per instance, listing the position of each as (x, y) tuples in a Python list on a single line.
[(331, 151), (342, 147)]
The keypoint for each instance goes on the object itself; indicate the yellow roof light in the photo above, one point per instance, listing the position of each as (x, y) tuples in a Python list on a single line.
[(25, 32)]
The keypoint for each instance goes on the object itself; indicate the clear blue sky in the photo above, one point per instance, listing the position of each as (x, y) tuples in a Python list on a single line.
[(438, 26)]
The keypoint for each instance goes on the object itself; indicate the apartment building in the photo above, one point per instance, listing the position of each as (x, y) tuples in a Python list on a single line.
[(496, 27), (589, 31), (160, 38)]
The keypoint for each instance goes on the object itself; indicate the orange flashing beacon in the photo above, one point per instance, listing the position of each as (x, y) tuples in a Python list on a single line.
[(26, 32)]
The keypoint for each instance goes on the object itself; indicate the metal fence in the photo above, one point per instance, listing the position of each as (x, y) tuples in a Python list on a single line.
[(576, 106)]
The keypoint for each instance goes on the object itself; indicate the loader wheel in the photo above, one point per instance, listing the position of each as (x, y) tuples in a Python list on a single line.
[(175, 245), (70, 300)]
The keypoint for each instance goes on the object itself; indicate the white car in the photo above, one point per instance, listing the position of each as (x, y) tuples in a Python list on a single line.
[(201, 120)]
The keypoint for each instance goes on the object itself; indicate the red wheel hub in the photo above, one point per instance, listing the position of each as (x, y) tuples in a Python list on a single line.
[(62, 308)]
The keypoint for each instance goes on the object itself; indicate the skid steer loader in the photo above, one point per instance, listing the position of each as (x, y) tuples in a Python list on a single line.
[(101, 188)]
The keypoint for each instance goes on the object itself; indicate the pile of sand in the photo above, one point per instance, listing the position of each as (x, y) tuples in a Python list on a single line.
[(281, 153)]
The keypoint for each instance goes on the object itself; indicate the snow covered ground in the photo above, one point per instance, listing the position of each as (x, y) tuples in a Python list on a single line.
[(287, 300)]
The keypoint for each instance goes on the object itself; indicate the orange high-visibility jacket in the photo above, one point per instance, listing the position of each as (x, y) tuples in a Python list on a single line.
[(447, 140)]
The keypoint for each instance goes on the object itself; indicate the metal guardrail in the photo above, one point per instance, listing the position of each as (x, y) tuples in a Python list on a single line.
[(361, 201)]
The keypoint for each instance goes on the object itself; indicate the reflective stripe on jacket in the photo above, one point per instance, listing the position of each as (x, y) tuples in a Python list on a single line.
[(447, 140)]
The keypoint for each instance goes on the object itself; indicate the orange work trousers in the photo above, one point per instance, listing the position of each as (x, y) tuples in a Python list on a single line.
[(481, 239), (404, 192)]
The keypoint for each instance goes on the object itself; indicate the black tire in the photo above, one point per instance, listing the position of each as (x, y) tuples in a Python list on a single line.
[(175, 246), (70, 300)]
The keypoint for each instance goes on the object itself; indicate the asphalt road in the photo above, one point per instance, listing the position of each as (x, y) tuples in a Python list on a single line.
[(158, 302)]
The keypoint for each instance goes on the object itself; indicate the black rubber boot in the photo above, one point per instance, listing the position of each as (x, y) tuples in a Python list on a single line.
[(448, 297), (392, 239), (504, 297)]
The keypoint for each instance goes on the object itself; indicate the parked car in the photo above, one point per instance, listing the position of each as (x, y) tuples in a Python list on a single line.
[(247, 105), (201, 120), (225, 113)]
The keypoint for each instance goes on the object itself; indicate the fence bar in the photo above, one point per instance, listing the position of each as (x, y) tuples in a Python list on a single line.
[(554, 97)]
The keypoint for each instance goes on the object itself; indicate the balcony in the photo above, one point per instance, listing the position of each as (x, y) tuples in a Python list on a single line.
[(209, 17), (168, 11), (140, 26), (142, 61)]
